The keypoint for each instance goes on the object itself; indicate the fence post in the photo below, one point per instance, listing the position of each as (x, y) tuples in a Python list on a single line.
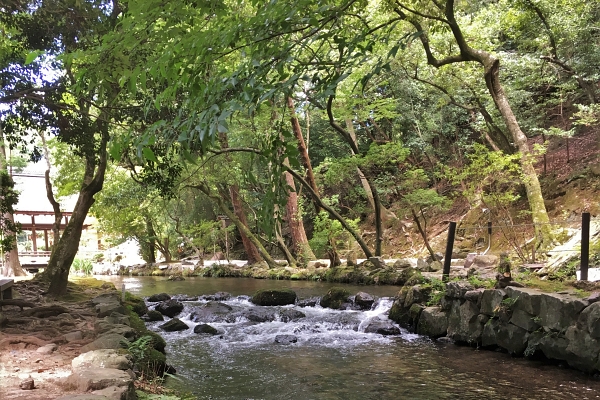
[(449, 247), (585, 246)]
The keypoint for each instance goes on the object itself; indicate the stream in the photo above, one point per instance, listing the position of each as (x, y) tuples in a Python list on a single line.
[(333, 357)]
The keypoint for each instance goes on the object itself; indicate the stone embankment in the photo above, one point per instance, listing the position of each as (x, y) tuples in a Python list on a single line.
[(522, 321)]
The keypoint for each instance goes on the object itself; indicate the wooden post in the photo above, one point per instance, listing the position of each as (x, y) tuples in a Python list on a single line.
[(46, 239), (585, 246), (449, 247), (33, 234)]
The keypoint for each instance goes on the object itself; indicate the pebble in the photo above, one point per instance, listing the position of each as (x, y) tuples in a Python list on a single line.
[(27, 384)]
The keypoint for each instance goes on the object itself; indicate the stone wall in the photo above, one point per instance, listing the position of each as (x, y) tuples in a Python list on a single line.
[(522, 321)]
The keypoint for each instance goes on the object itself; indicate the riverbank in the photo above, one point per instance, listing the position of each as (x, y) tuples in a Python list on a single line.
[(84, 343)]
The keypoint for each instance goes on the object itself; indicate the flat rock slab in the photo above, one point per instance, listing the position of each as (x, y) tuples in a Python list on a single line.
[(47, 349), (117, 393), (103, 358), (100, 378), (108, 341), (107, 298), (84, 397)]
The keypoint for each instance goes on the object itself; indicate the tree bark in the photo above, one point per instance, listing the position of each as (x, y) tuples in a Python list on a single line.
[(65, 250), (11, 264), (310, 177), (50, 194), (300, 247), (252, 252)]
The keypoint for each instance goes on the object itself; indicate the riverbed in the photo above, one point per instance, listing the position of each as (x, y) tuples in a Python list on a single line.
[(334, 358)]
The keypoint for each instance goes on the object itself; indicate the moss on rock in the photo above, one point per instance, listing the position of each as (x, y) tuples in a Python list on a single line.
[(274, 297), (335, 297)]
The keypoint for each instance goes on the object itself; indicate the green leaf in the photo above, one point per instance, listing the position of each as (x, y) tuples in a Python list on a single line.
[(149, 154), (32, 56)]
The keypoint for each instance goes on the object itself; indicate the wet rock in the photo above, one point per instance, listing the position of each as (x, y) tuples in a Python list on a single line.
[(308, 302), (582, 350), (170, 308), (104, 358), (176, 278), (288, 315), (253, 315), (274, 297), (205, 328), (174, 325), (416, 294), (553, 345), (382, 327), (286, 339), (108, 341), (47, 349), (433, 322), (211, 312), (335, 298), (512, 338), (155, 298), (184, 297), (490, 331), (219, 296), (463, 322), (153, 315), (27, 384), (364, 300)]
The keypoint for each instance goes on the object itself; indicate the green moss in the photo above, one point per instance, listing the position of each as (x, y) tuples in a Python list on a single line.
[(274, 297), (136, 304), (335, 297)]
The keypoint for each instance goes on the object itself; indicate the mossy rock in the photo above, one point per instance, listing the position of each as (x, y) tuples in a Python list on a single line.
[(137, 304), (205, 328), (335, 297), (154, 363), (158, 342), (274, 297)]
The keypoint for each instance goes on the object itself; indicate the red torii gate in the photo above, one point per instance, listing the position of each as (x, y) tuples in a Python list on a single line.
[(33, 227)]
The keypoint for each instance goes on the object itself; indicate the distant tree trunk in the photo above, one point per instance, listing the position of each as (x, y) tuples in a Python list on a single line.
[(64, 251), (284, 249), (300, 247), (310, 177), (50, 194), (11, 264), (251, 251), (148, 243)]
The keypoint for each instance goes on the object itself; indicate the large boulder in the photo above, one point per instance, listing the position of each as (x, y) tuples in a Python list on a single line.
[(524, 320), (589, 320), (152, 316), (155, 298), (257, 315), (101, 378), (433, 322), (103, 358), (465, 323), (582, 350), (364, 300), (212, 311), (525, 299), (491, 300), (381, 327), (558, 312), (286, 339), (205, 328), (458, 289), (174, 325), (288, 315), (106, 309), (335, 298), (512, 338), (274, 297), (170, 308), (219, 296)]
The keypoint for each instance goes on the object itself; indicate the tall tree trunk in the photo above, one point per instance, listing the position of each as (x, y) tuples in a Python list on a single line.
[(300, 246), (50, 194), (251, 251), (150, 241), (11, 264), (310, 177), (283, 247), (65, 250)]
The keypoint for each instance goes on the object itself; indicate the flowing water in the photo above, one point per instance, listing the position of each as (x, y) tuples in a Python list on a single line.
[(333, 357)]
